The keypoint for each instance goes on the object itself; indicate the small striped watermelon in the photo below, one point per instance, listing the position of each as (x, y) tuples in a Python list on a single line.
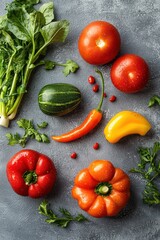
[(58, 99)]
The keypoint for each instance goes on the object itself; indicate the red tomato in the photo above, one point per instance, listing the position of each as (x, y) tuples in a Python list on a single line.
[(130, 73), (99, 43)]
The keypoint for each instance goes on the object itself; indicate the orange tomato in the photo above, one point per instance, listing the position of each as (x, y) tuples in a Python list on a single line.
[(101, 189)]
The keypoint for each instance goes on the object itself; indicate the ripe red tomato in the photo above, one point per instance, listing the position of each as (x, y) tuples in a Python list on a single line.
[(99, 43), (130, 73)]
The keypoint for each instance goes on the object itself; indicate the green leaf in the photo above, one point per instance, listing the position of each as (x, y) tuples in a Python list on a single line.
[(49, 65), (45, 138), (30, 132), (55, 32), (24, 25), (3, 21), (43, 207), (70, 67), (42, 125), (26, 2), (148, 167), (24, 123), (13, 139), (154, 100), (47, 10), (62, 221)]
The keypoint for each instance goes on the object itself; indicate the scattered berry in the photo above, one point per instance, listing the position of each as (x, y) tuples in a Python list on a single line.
[(112, 98), (74, 155), (96, 146), (95, 88), (104, 95), (91, 80)]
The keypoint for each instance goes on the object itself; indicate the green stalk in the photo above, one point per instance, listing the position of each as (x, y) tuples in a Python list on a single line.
[(25, 80), (102, 94), (13, 87)]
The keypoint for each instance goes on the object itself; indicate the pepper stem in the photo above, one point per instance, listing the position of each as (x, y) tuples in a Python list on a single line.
[(30, 177), (103, 189), (102, 95)]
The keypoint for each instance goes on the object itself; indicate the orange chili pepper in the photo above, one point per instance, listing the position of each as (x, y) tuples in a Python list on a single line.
[(91, 121)]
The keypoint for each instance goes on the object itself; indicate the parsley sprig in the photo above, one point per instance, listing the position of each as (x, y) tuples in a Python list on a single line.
[(149, 168), (61, 221), (30, 132)]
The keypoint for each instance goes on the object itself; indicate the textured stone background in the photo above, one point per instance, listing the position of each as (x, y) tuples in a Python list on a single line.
[(139, 25)]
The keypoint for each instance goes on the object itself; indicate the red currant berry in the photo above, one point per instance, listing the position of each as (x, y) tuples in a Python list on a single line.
[(95, 88), (104, 95), (91, 80), (96, 146), (74, 155), (112, 98)]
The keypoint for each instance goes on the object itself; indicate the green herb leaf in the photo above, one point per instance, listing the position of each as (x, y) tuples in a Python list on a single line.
[(55, 31), (13, 139), (149, 168), (62, 221), (30, 133), (70, 67), (48, 12), (42, 125), (154, 100)]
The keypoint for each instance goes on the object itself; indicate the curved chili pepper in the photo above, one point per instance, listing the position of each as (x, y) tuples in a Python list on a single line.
[(90, 122)]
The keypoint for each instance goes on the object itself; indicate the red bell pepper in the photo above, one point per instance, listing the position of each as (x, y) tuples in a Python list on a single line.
[(31, 173)]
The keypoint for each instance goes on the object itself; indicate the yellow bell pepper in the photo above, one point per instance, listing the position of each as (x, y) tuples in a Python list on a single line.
[(125, 123)]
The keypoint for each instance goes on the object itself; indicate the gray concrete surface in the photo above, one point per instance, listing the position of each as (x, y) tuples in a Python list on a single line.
[(139, 26)]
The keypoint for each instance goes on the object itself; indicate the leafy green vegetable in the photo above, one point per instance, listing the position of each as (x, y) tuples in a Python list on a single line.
[(149, 168), (30, 133), (154, 100), (62, 221), (69, 67), (25, 34)]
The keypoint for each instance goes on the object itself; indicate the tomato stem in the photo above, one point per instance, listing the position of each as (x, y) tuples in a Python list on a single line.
[(103, 189), (101, 100), (30, 177)]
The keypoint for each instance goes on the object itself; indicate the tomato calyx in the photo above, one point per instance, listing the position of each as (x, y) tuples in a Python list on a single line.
[(30, 177), (103, 189)]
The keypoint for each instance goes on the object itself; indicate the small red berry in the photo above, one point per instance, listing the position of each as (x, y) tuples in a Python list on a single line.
[(74, 155), (112, 98), (91, 80), (96, 146), (104, 95), (95, 88)]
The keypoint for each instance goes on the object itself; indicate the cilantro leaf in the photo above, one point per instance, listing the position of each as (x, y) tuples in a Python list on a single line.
[(70, 67), (30, 132)]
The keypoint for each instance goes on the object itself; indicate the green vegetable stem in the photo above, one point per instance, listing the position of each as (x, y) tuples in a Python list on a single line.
[(25, 34)]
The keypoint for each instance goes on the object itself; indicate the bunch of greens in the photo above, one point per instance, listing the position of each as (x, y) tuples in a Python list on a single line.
[(61, 221), (149, 168), (25, 34), (30, 132)]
